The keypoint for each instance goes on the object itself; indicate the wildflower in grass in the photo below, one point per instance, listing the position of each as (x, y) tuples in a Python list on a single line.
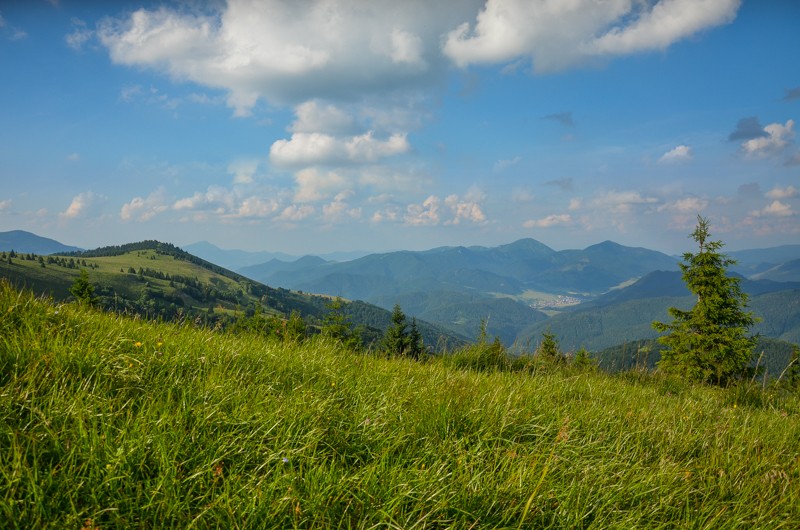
[(218, 469), (285, 460), (138, 344)]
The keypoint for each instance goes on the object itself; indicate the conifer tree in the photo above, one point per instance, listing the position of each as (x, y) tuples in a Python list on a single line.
[(396, 338), (82, 290), (708, 343), (549, 349), (336, 324), (415, 343)]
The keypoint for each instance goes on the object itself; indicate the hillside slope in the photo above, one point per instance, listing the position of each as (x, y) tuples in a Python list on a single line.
[(159, 280), (111, 422)]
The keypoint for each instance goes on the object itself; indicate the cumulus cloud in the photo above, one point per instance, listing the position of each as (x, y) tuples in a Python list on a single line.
[(288, 52), (550, 220), (423, 214), (339, 209), (621, 201), (782, 193), (558, 35), (304, 149), (433, 211), (315, 116), (665, 23), (295, 212), (256, 207), (145, 208), (5, 205), (685, 205), (774, 209), (464, 210), (680, 153), (315, 185), (82, 205), (777, 137)]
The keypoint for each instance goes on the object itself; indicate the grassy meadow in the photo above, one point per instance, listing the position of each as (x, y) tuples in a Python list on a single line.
[(113, 422)]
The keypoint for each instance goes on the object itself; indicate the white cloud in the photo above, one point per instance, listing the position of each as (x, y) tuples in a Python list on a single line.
[(667, 22), (307, 149), (433, 211), (621, 201), (679, 153), (339, 209), (424, 214), (575, 203), (82, 205), (315, 185), (782, 193), (257, 207), (319, 148), (559, 34), (550, 220), (314, 116), (366, 148), (215, 198), (243, 171), (464, 210), (685, 205), (5, 205), (294, 212), (79, 36), (145, 208), (775, 209), (73, 157), (778, 137), (289, 52)]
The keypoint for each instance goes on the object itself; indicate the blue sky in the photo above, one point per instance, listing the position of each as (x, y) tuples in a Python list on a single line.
[(342, 125)]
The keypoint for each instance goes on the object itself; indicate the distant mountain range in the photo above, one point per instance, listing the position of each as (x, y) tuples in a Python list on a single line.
[(626, 315), (595, 297), (21, 241), (236, 259)]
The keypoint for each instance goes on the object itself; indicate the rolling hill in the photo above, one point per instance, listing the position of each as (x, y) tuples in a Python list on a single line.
[(159, 280)]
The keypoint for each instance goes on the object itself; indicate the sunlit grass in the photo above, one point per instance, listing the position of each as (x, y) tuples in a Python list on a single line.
[(114, 422)]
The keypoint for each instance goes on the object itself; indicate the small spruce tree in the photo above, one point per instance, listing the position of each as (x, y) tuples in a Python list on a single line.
[(708, 343), (549, 349), (82, 289), (396, 338), (336, 325), (416, 346)]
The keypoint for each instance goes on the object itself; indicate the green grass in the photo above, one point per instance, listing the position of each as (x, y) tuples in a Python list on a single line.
[(112, 422)]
